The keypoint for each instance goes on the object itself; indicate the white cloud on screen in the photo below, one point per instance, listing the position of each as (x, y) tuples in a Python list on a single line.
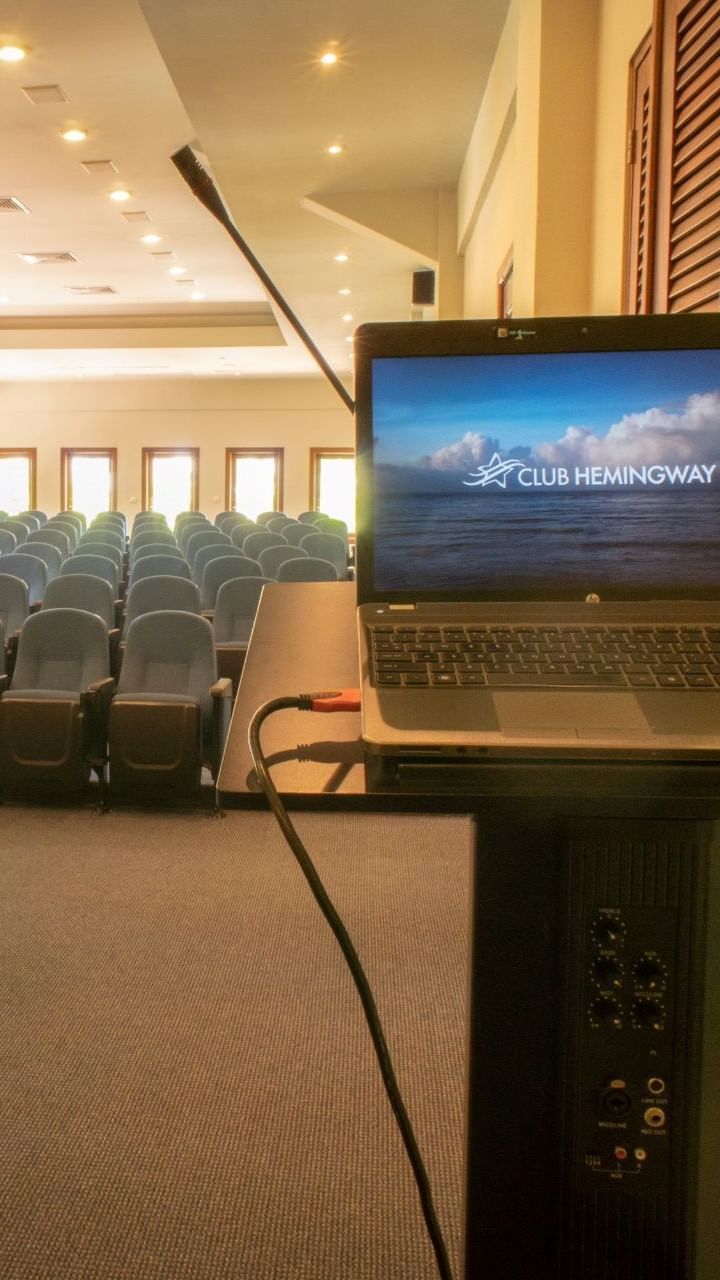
[(653, 436)]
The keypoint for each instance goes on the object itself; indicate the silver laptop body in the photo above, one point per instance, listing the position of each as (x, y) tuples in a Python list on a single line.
[(538, 544)]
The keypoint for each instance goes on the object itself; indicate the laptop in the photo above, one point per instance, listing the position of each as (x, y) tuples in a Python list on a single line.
[(538, 539)]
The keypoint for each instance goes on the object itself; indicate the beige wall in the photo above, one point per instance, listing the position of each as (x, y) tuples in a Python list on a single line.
[(545, 167), (294, 414)]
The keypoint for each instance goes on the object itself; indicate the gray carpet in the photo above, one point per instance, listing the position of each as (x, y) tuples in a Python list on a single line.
[(188, 1088)]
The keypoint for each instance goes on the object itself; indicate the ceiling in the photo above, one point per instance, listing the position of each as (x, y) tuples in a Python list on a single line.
[(245, 87)]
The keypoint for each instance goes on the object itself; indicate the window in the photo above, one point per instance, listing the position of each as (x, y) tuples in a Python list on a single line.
[(253, 480), (673, 188), (170, 481), (332, 483), (17, 480), (88, 480)]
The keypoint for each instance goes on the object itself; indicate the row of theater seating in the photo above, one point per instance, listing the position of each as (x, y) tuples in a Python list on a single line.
[(69, 704)]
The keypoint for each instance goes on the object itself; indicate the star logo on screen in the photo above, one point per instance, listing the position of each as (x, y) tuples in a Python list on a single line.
[(496, 472)]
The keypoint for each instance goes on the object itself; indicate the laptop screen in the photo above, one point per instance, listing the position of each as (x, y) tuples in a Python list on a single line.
[(583, 458)]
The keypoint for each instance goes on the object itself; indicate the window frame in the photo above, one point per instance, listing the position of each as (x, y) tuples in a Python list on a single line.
[(31, 455), (67, 455), (150, 452), (232, 453), (317, 454)]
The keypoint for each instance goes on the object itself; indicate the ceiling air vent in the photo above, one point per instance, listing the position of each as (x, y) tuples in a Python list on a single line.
[(102, 168), (87, 289), (10, 204), (41, 93), (136, 215), (35, 259)]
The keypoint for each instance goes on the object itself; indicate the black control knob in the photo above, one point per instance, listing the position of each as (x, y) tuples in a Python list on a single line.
[(608, 930), (647, 1013), (608, 972), (649, 973), (604, 1011)]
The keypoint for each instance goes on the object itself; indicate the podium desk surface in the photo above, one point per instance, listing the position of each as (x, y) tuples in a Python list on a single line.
[(304, 641)]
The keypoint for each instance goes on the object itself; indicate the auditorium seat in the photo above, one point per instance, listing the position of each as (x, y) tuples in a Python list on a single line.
[(307, 569), (53, 718), (161, 591), (203, 538), (235, 609), (222, 569), (31, 569), (328, 546), (14, 609), (272, 557), (213, 551), (101, 566), (54, 538), (254, 543), (50, 556), (150, 566), (8, 541), (171, 714)]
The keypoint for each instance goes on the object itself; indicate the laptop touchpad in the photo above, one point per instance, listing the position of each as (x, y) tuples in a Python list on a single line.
[(576, 713)]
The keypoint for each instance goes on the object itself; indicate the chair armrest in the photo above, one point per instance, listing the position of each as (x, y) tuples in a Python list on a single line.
[(221, 693), (11, 648), (95, 702)]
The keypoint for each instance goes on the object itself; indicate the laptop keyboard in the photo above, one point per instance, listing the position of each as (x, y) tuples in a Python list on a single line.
[(599, 657)]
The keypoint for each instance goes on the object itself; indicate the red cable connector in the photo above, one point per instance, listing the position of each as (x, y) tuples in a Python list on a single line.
[(334, 700)]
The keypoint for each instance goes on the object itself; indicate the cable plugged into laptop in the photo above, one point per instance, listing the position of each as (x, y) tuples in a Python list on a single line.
[(329, 701)]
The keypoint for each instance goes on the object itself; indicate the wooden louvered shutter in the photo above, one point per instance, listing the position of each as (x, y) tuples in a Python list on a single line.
[(688, 248), (639, 202)]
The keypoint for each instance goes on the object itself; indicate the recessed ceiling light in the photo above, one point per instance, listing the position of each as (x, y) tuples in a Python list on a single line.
[(32, 258), (120, 195), (74, 135), (329, 58), (344, 292), (151, 238), (349, 338), (177, 271), (11, 53), (347, 317), (335, 149), (197, 296), (342, 257), (4, 298)]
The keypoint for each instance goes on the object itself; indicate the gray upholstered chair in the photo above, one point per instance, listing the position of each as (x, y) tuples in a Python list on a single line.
[(308, 569), (101, 566), (272, 557), (51, 557), (53, 718), (235, 609), (31, 569), (150, 566), (254, 543), (161, 591), (171, 714), (213, 551), (8, 541), (14, 609), (222, 569), (328, 546)]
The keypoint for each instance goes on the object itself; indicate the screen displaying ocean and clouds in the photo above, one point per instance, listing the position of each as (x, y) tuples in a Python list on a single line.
[(521, 475)]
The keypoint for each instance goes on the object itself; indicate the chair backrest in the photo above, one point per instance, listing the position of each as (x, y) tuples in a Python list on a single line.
[(170, 652), (14, 601), (76, 516), (31, 569), (81, 591), (52, 537), (100, 566), (257, 542), (41, 516), (236, 606), (268, 515), (204, 538), (186, 530), (152, 533), (278, 524), (221, 569), (61, 650), (50, 555), (107, 549), (111, 537), (272, 557), (328, 524), (8, 541), (327, 546), (212, 551), (308, 569), (68, 527), (309, 517), (117, 517), (240, 532), (149, 566), (229, 520), (155, 549), (161, 591), (71, 518), (294, 533), (32, 522), (18, 527)]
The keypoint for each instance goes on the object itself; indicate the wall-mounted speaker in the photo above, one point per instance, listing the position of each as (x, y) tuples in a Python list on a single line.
[(423, 288)]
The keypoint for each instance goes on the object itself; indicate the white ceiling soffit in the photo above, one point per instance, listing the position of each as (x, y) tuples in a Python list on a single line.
[(145, 79)]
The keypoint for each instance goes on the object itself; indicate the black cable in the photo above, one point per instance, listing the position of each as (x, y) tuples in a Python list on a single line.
[(304, 703)]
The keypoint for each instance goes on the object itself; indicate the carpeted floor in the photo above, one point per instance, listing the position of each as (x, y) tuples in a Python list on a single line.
[(188, 1088)]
